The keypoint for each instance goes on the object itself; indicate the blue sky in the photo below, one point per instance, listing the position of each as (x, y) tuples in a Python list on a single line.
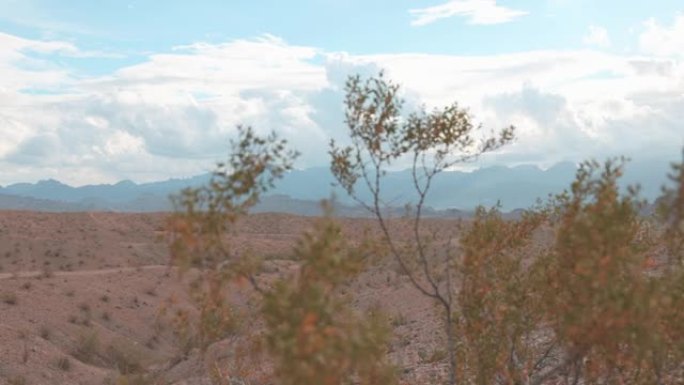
[(146, 90), (355, 26)]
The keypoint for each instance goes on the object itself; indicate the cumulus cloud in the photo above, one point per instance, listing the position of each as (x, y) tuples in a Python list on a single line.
[(475, 11), (567, 105), (661, 40), (173, 114), (176, 108)]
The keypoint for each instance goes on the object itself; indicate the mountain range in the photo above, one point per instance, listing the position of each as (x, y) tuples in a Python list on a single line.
[(299, 192)]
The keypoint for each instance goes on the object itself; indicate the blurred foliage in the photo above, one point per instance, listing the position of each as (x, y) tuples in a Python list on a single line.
[(200, 227), (313, 334), (499, 309), (607, 303), (431, 143), (584, 290)]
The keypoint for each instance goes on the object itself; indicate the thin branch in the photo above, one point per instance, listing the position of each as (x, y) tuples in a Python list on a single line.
[(558, 368)]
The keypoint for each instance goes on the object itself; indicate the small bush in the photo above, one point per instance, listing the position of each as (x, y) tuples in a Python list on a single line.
[(437, 356), (124, 359), (63, 363), (9, 298), (87, 347), (399, 320), (45, 333), (17, 380)]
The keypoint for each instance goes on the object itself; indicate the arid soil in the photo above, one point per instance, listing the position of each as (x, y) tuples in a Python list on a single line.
[(81, 297)]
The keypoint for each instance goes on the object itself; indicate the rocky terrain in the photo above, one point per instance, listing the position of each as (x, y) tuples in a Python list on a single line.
[(81, 296)]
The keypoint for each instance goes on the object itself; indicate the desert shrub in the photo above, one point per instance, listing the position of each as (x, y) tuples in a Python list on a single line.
[(17, 380), (9, 298), (594, 305), (497, 302), (431, 142), (63, 363), (45, 332), (671, 212), (609, 311), (87, 347), (124, 358), (313, 334), (204, 217)]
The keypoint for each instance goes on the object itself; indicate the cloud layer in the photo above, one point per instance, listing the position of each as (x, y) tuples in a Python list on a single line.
[(173, 114)]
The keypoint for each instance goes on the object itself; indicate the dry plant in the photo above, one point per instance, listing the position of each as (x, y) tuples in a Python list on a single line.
[(611, 314), (595, 304), (313, 334), (432, 143), (205, 215)]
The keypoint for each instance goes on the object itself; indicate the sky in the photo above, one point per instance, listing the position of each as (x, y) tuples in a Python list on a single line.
[(98, 92)]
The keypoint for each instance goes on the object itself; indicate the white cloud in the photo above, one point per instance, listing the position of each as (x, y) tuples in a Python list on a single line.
[(173, 114), (476, 11), (20, 69), (567, 105), (597, 36), (661, 40), (174, 111)]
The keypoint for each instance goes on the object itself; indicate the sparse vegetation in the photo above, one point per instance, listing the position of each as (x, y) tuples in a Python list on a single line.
[(124, 359), (587, 307), (63, 363), (45, 332), (17, 380), (9, 298), (584, 288), (87, 347), (313, 335), (203, 217), (84, 307), (431, 142)]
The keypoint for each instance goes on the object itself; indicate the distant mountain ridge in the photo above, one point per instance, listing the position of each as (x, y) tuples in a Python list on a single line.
[(300, 190)]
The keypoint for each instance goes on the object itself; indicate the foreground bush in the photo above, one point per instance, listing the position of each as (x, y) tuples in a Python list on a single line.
[(599, 302), (313, 334)]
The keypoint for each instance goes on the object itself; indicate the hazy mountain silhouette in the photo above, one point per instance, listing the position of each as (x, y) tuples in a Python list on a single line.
[(300, 190)]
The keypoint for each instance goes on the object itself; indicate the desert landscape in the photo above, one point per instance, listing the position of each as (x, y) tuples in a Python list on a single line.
[(453, 192), (82, 293), (583, 287)]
